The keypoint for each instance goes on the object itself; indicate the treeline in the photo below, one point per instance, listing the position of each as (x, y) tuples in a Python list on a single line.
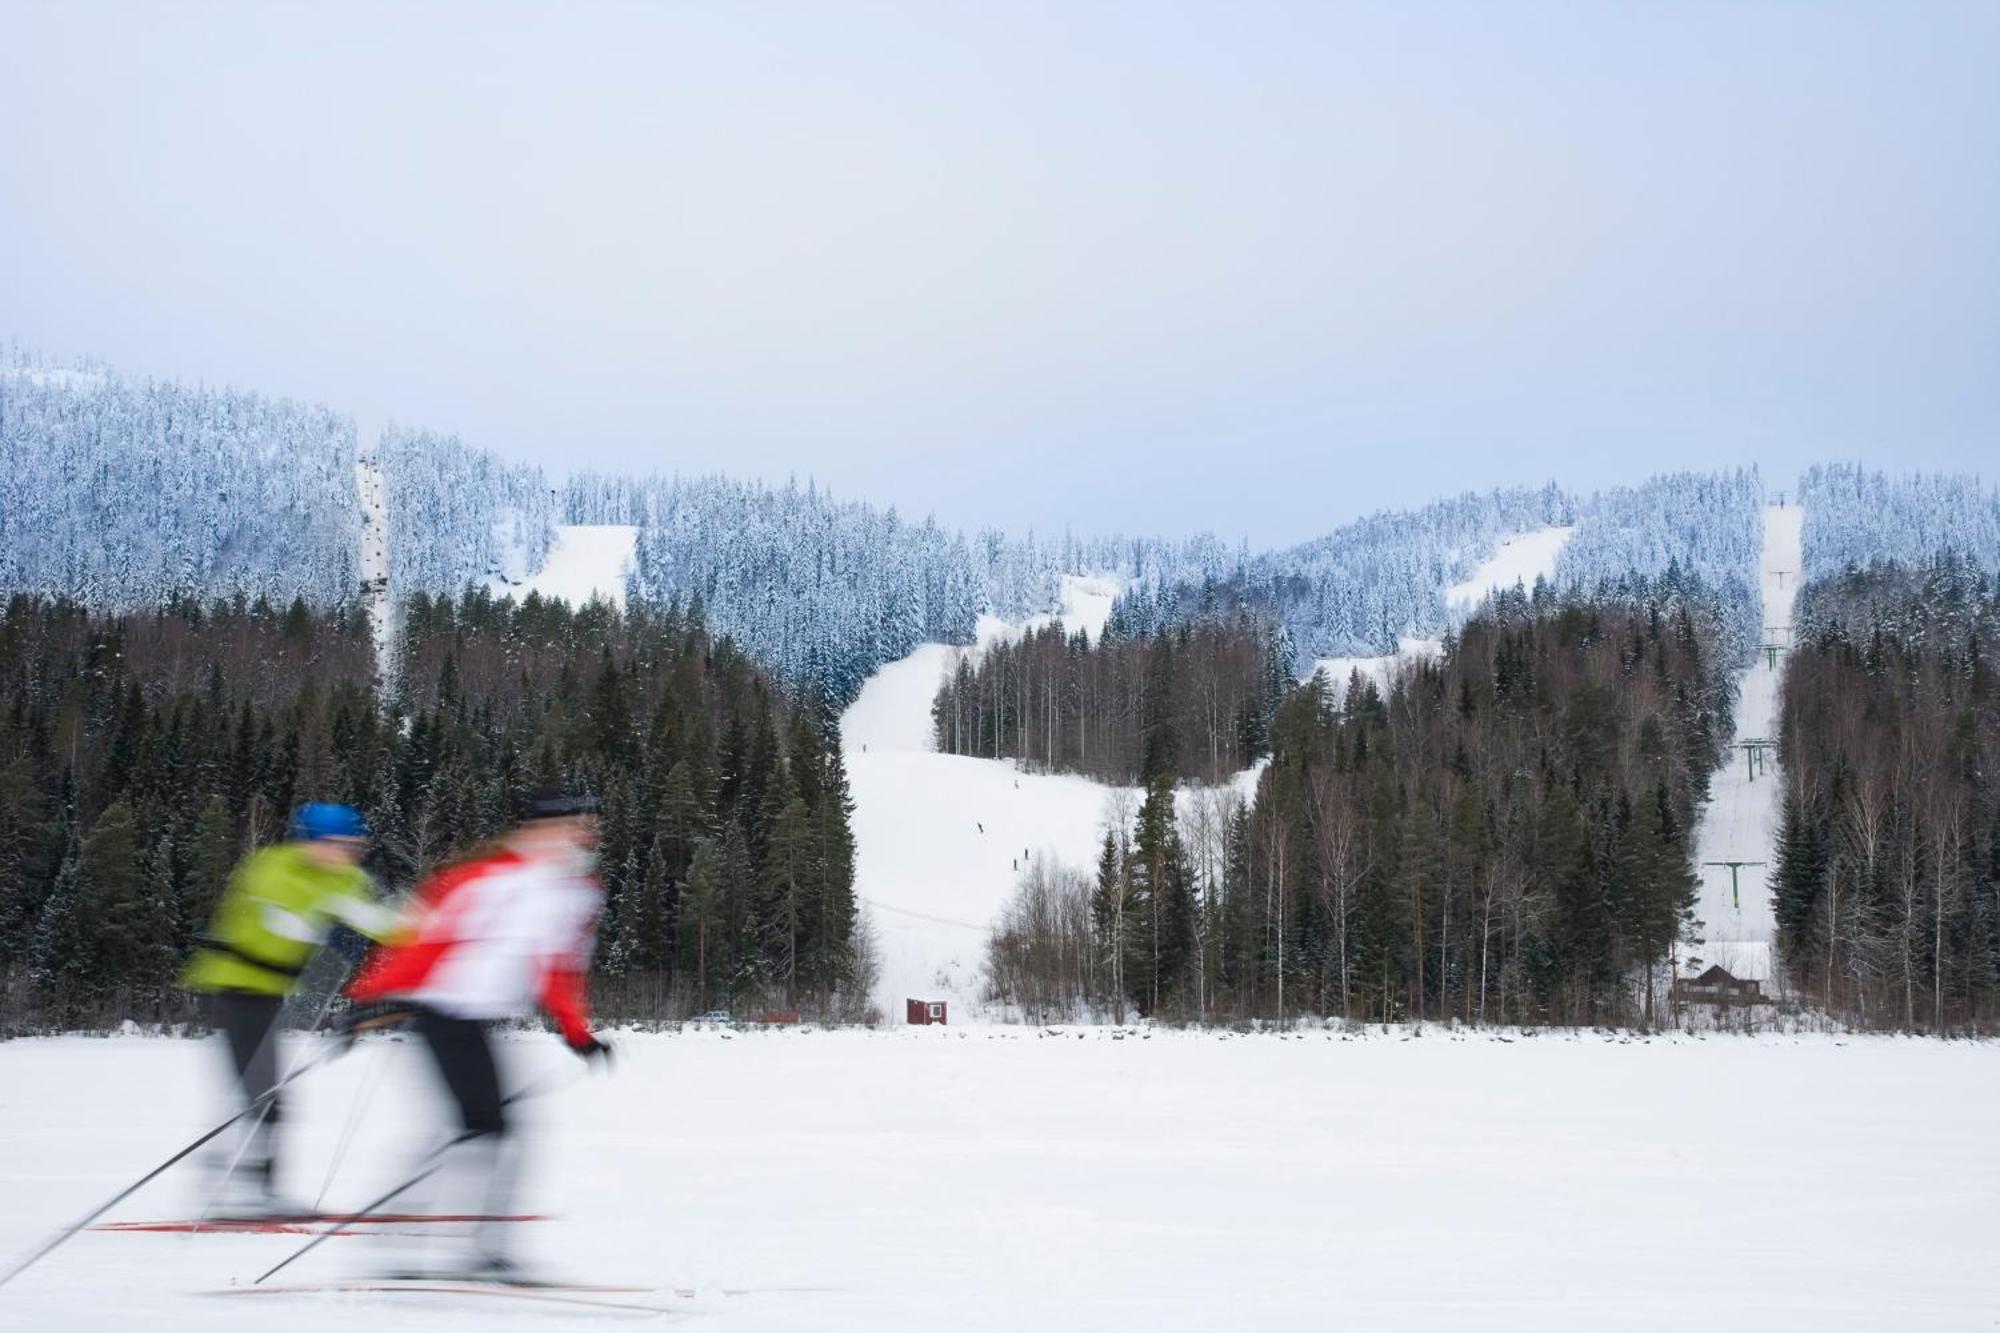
[(147, 753), (1192, 702), (1887, 882), (726, 853), (1504, 837)]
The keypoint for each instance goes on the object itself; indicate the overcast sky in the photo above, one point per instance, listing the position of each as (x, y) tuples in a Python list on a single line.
[(1140, 267)]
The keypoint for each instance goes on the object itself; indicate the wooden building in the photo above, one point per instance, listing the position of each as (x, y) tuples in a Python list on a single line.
[(922, 1013), (1718, 985)]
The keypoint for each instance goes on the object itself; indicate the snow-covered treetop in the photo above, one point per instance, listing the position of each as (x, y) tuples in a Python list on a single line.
[(1855, 518)]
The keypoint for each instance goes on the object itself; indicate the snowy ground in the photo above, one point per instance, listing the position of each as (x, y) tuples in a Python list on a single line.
[(1520, 560), (998, 1179), (1340, 670), (1740, 823), (942, 840), (588, 560)]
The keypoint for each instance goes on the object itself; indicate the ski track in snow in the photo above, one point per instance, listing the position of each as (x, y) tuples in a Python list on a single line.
[(925, 1179), (1740, 822), (588, 560), (941, 841)]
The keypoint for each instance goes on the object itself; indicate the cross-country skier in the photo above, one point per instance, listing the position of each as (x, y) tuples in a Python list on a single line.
[(500, 935), (271, 918)]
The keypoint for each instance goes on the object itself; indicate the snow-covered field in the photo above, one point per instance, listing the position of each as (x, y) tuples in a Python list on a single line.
[(588, 560), (1000, 1179), (1740, 822)]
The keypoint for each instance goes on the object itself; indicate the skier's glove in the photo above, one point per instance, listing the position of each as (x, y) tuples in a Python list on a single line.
[(590, 1048)]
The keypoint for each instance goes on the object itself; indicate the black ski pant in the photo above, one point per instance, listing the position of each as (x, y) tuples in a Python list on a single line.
[(463, 1050), (481, 1180), (248, 1023)]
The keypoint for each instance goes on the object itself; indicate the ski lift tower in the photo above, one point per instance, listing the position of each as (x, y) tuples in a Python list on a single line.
[(1735, 889), (1778, 639), (1753, 755)]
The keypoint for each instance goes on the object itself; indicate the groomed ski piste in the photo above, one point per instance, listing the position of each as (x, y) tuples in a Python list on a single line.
[(941, 841), (1740, 822), (375, 591)]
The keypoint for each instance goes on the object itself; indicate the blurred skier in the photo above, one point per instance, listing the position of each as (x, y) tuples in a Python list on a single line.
[(506, 932), (271, 919)]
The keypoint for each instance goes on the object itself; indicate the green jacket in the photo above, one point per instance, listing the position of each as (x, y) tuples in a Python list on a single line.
[(272, 917)]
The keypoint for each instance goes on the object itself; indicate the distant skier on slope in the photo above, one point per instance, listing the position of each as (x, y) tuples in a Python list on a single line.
[(501, 934), (271, 919)]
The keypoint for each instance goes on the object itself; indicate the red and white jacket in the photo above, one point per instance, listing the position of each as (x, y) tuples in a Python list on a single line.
[(497, 937)]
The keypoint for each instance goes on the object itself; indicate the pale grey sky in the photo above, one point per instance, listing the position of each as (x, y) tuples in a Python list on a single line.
[(1254, 267)]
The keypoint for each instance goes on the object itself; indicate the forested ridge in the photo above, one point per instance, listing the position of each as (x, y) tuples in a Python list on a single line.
[(123, 493), (1887, 881), (147, 752), (1503, 836)]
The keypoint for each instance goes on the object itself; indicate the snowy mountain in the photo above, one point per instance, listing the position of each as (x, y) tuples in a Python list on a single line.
[(128, 492)]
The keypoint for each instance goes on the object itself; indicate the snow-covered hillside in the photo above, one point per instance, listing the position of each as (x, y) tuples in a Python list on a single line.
[(1740, 822), (919, 1180), (1339, 670), (588, 560), (1521, 560), (942, 840), (376, 593)]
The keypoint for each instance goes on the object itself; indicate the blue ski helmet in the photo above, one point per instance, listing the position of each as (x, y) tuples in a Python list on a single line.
[(323, 819)]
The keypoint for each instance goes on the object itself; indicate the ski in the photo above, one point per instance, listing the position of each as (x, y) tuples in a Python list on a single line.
[(311, 1224), (588, 1295)]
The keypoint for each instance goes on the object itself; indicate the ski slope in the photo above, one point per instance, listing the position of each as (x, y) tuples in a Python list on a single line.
[(918, 1180), (376, 594), (1740, 822), (588, 560), (941, 841), (1340, 670), (1521, 560)]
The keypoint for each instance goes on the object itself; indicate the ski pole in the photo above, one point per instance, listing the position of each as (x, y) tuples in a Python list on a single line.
[(432, 1165), (347, 1132), (65, 1233)]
